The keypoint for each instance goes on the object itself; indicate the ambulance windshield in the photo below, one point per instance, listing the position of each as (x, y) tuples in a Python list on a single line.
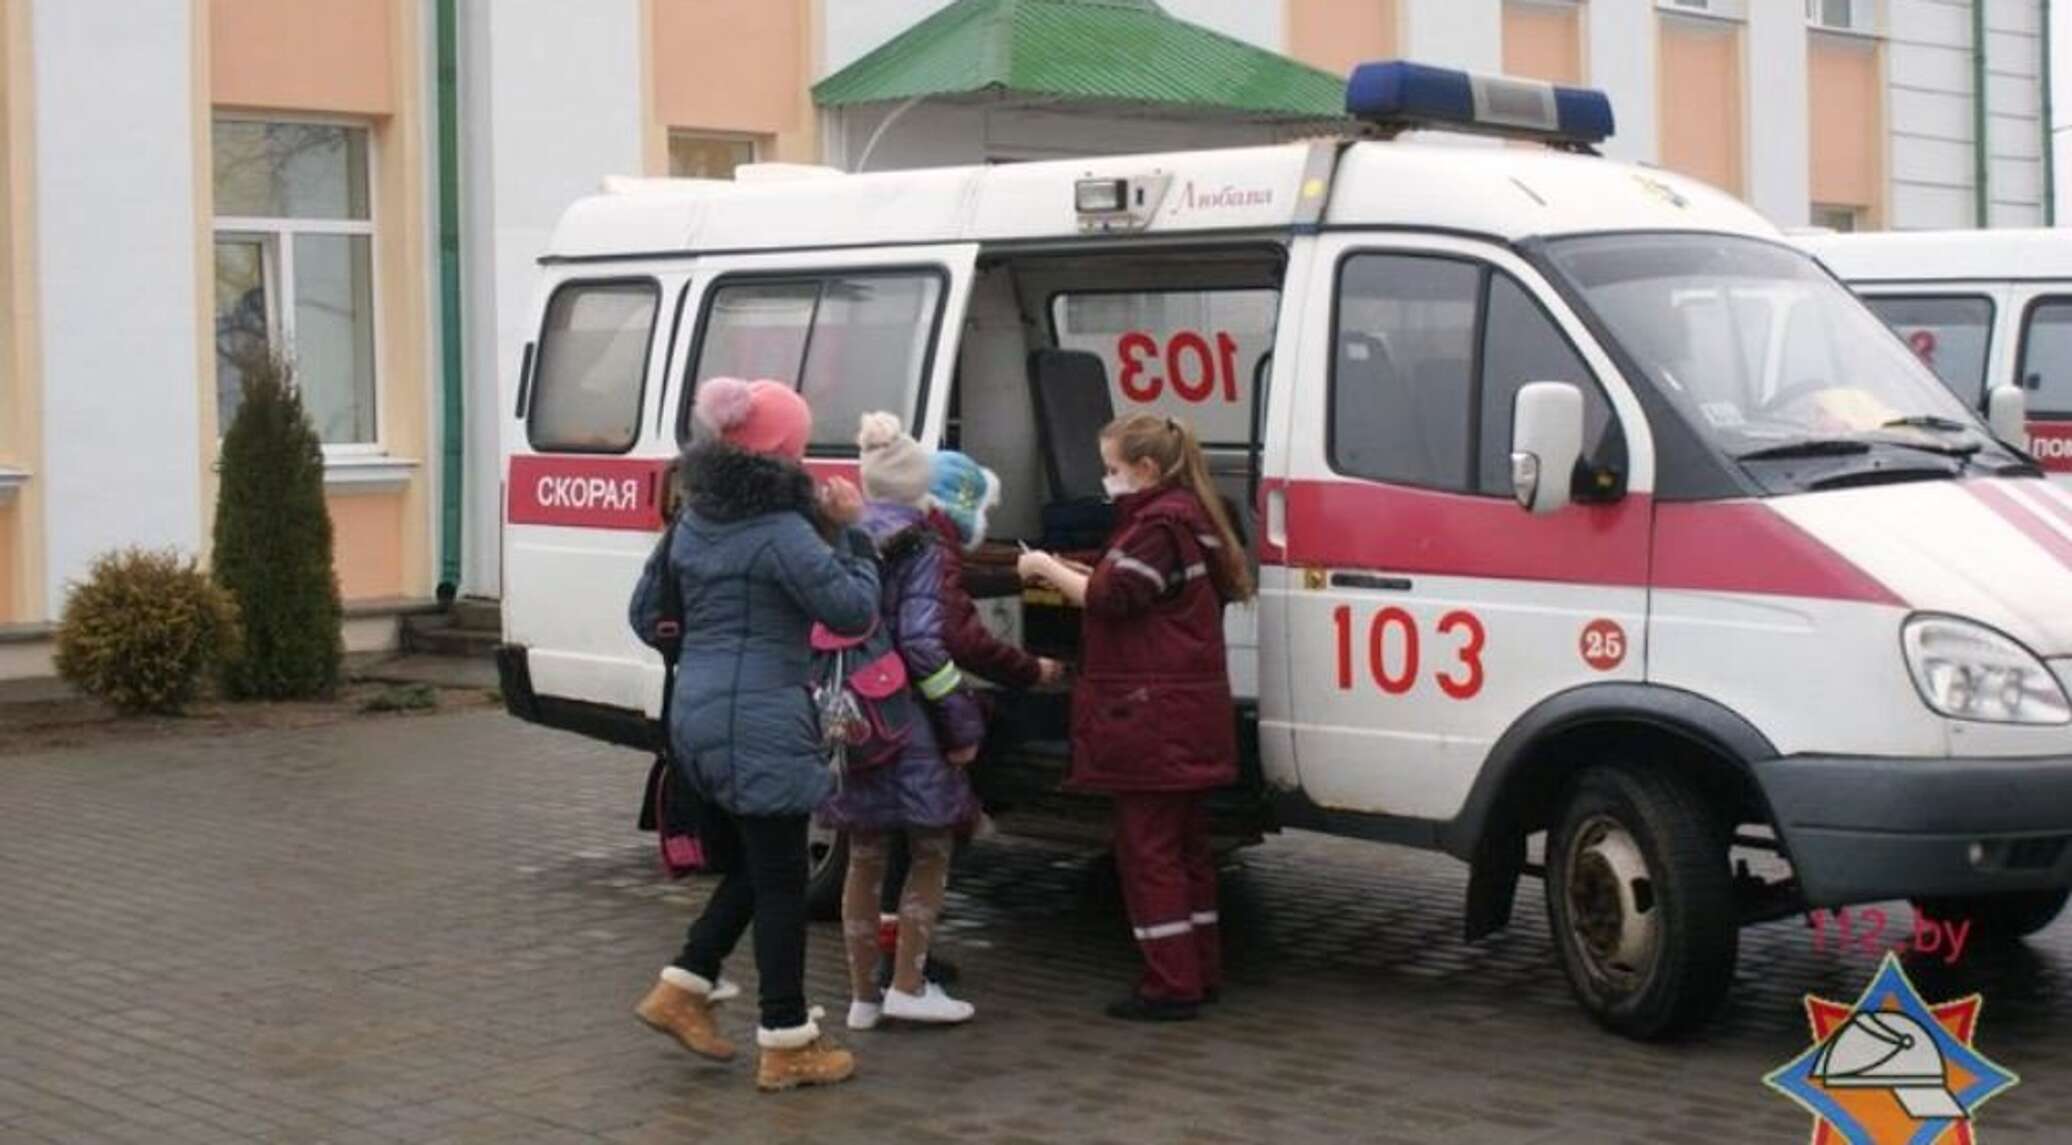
[(1766, 353)]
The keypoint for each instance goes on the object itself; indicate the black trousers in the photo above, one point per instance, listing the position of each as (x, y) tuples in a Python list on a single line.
[(764, 860)]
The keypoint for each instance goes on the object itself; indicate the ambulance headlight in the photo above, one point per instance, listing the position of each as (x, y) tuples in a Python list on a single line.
[(1967, 671)]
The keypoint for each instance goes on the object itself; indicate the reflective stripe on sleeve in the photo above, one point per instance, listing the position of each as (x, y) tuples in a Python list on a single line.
[(941, 682), (1204, 918), (1132, 564), (1164, 930)]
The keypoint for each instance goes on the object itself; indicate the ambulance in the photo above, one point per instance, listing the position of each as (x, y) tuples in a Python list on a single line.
[(1986, 309), (1604, 537)]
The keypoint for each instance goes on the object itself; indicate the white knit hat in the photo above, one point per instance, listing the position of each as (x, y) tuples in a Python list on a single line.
[(895, 467)]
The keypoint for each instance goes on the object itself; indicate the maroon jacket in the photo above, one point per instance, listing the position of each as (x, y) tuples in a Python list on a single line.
[(1152, 708), (975, 649)]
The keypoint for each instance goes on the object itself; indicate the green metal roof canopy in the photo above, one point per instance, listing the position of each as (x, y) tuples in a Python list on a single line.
[(1102, 51)]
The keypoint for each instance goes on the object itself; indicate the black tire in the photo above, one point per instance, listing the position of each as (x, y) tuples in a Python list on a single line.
[(827, 866), (1640, 900), (2001, 917)]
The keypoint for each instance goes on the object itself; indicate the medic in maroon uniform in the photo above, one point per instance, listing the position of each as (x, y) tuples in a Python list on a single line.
[(1153, 724)]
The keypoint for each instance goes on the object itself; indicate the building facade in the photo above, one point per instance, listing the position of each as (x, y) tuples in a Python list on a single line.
[(184, 179)]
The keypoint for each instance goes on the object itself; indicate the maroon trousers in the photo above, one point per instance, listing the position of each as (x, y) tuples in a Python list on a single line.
[(1168, 874)]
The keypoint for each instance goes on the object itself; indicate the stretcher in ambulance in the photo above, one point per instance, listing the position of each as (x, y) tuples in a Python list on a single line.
[(1603, 536), (1989, 311)]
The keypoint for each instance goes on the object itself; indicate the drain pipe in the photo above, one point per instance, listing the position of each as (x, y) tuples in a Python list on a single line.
[(1981, 196), (451, 378), (2050, 130)]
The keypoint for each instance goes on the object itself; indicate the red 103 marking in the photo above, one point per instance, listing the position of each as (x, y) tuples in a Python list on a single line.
[(1394, 651)]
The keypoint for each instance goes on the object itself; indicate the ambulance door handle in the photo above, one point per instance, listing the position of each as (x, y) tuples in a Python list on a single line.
[(1369, 580), (1277, 518)]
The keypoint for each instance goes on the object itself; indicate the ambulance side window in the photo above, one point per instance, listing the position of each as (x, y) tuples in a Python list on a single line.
[(1521, 344), (1402, 382), (849, 342), (592, 366), (2046, 371)]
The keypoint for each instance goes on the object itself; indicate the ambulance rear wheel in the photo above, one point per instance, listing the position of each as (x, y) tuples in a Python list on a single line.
[(2015, 914), (827, 866), (1640, 900)]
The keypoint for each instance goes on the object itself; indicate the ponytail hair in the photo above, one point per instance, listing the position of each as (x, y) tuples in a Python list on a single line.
[(1172, 448)]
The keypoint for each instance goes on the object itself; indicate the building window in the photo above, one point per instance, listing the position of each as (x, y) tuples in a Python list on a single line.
[(1859, 16), (695, 156), (1719, 9), (295, 267), (1836, 218)]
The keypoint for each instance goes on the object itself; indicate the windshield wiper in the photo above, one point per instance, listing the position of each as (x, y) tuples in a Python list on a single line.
[(1807, 447), (1928, 421)]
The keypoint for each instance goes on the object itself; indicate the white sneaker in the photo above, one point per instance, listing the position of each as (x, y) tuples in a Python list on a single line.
[(930, 1005), (864, 1015)]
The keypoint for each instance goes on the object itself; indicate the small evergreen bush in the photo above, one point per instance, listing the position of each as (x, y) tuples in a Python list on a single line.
[(273, 544), (144, 629)]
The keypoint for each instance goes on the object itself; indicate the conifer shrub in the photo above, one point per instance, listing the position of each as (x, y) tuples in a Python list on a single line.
[(144, 630), (273, 544)]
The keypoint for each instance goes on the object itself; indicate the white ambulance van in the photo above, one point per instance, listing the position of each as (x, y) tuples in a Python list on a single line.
[(1985, 309), (1585, 506)]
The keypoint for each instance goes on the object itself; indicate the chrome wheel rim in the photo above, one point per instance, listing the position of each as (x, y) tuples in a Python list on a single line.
[(1613, 915)]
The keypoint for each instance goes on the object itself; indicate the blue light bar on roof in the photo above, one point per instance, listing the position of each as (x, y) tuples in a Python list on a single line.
[(1401, 94)]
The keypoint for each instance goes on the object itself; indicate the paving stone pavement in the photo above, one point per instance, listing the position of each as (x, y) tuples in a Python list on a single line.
[(433, 929)]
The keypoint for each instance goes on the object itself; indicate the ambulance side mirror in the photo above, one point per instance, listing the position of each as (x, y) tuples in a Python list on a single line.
[(2007, 415), (1546, 443)]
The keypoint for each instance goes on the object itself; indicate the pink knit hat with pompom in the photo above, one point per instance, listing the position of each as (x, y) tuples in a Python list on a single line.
[(760, 416)]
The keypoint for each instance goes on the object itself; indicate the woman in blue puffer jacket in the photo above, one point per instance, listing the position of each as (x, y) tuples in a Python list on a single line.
[(925, 792), (755, 574)]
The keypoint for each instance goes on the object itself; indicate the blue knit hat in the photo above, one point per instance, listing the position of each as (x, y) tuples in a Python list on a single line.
[(964, 490)]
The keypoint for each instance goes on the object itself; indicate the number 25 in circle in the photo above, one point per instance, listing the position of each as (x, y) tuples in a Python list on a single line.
[(1603, 644)]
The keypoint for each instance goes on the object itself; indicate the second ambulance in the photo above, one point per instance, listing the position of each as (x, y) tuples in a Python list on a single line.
[(1603, 536)]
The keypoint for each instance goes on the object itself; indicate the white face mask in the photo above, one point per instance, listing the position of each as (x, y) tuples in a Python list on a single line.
[(1117, 485)]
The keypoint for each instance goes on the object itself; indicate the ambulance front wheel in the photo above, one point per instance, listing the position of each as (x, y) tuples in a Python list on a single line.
[(1640, 899)]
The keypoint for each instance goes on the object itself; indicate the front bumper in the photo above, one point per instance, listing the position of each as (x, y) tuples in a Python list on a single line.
[(1863, 829)]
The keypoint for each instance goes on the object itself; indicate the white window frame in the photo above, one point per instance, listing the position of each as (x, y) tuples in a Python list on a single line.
[(1866, 18), (1736, 10), (278, 265), (669, 135)]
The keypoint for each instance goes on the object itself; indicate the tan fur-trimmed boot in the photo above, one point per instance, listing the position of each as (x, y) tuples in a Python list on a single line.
[(681, 1005), (800, 1056)]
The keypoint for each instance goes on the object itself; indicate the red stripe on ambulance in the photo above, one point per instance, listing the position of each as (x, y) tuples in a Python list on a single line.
[(1717, 546), (2050, 443), (585, 492), (2032, 518)]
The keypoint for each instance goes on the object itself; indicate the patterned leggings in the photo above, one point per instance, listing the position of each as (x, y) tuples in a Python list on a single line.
[(920, 902)]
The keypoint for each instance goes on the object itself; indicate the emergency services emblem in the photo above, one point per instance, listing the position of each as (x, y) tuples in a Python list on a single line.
[(1892, 1069)]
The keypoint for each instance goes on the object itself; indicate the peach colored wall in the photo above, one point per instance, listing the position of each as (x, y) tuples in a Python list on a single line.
[(751, 79), (1543, 41), (10, 521), (1336, 34), (367, 544), (1700, 100), (309, 55), (1843, 89)]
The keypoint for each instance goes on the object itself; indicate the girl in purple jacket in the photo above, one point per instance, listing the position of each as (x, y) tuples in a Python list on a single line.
[(925, 792)]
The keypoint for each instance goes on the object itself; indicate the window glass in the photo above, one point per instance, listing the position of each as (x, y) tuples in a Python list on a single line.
[(1950, 334), (295, 247), (290, 170), (1402, 381), (1190, 354), (1521, 344), (849, 343), (704, 157), (2047, 359), (334, 333), (244, 329), (591, 362)]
